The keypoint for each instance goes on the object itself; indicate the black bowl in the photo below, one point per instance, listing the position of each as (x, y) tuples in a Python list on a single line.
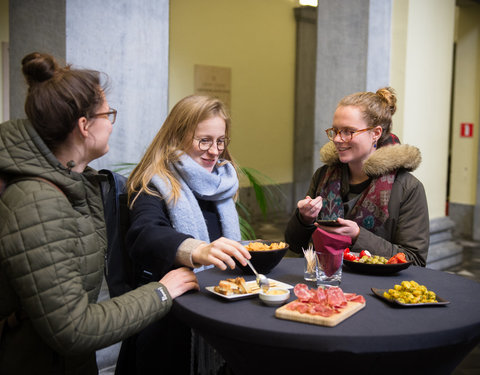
[(376, 269), (264, 261)]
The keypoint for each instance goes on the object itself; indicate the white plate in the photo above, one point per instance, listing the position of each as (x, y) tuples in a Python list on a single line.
[(250, 284)]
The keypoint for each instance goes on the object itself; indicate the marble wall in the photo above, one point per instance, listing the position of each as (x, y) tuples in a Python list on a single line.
[(353, 54), (126, 40)]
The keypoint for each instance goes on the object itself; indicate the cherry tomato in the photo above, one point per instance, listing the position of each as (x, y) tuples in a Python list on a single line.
[(397, 258), (365, 253), (401, 258), (351, 257)]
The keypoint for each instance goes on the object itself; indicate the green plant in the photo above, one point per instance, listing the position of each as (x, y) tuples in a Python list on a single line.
[(267, 193), (246, 229)]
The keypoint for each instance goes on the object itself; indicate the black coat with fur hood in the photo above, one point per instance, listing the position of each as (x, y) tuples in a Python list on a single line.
[(407, 227)]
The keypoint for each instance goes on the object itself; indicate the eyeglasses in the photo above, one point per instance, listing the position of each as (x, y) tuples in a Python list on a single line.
[(345, 135), (205, 144), (111, 115)]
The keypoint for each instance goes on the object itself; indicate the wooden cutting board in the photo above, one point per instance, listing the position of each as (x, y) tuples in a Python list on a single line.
[(330, 321)]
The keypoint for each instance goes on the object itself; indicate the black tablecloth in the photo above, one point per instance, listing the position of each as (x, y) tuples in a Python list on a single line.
[(426, 337)]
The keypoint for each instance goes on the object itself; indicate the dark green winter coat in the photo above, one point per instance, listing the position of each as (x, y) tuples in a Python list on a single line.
[(407, 228), (52, 249)]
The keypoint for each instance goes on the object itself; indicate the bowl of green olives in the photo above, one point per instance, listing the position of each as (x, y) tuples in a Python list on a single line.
[(374, 265)]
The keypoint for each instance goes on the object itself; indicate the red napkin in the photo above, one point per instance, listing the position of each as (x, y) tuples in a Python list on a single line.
[(331, 246)]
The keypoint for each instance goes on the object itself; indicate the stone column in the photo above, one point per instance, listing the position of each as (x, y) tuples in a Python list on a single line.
[(126, 40), (353, 54), (476, 210), (342, 47), (305, 68)]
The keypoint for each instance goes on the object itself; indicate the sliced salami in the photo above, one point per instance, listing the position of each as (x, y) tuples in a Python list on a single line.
[(323, 310), (320, 296), (335, 297), (302, 292), (302, 308), (322, 301), (293, 305), (355, 298)]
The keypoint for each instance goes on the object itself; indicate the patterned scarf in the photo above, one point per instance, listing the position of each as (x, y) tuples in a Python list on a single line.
[(371, 208)]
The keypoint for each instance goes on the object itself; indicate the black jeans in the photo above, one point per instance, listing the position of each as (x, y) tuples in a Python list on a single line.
[(161, 348)]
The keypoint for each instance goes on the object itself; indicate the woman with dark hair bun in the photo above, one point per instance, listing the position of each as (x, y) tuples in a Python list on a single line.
[(52, 232), (58, 96), (365, 184)]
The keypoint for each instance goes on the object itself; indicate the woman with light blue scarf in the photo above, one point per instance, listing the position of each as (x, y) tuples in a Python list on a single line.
[(182, 212)]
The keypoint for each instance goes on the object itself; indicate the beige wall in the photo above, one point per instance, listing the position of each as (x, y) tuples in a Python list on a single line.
[(256, 39), (466, 106), (3, 38), (421, 71)]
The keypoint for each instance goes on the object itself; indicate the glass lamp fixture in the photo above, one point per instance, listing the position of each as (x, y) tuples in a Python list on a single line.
[(310, 3)]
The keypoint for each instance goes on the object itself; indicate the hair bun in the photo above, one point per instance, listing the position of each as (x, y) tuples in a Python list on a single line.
[(38, 67), (389, 96)]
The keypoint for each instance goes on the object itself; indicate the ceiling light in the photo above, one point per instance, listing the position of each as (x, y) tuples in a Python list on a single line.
[(310, 3)]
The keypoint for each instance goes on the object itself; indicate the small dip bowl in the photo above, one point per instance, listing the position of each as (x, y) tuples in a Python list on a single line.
[(274, 296)]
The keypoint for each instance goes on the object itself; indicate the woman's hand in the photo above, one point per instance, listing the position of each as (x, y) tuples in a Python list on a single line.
[(309, 209), (220, 253), (347, 228), (179, 281)]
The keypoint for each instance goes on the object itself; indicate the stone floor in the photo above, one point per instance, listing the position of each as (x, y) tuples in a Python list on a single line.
[(273, 230)]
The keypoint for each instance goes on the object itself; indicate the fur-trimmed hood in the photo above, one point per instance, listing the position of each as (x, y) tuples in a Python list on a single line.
[(384, 160)]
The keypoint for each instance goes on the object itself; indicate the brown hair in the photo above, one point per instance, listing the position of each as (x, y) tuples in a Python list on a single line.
[(377, 108), (58, 96), (176, 134)]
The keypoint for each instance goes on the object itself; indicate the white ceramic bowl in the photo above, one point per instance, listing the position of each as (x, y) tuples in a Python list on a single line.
[(275, 296)]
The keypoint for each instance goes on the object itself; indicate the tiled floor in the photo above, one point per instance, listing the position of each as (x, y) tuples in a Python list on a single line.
[(273, 230)]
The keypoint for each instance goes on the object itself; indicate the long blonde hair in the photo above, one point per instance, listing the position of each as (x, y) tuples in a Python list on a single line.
[(176, 134)]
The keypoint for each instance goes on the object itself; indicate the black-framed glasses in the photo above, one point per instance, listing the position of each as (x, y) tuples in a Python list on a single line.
[(111, 115), (205, 144), (345, 134)]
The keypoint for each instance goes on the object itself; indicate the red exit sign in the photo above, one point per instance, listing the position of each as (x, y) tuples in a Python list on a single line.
[(466, 129)]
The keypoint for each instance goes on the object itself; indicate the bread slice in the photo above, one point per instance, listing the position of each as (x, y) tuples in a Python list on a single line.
[(231, 286), (223, 291), (228, 286), (242, 285)]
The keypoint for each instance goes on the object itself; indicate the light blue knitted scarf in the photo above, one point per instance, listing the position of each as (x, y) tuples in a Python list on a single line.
[(196, 182)]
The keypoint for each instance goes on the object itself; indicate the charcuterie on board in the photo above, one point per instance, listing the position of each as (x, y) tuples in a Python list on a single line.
[(322, 306)]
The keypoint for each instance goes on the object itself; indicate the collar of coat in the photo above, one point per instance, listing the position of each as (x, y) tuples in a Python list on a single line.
[(23, 153), (384, 160)]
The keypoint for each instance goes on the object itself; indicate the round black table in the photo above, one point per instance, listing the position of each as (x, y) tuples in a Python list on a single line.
[(381, 338)]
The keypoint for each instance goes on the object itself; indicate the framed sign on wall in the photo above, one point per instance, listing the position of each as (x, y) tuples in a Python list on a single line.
[(214, 81)]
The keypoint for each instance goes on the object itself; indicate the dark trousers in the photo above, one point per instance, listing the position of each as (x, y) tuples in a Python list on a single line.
[(161, 348)]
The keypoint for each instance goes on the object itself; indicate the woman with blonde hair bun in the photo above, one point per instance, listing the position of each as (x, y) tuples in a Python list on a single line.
[(182, 212), (365, 184)]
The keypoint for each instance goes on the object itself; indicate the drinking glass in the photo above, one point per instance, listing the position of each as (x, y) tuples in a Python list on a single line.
[(329, 268)]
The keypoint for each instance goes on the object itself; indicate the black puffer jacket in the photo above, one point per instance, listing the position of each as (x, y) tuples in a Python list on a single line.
[(52, 248), (407, 227)]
